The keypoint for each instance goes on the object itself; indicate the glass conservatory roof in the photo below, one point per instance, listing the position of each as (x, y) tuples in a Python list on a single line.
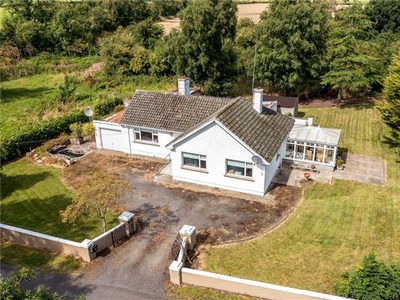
[(315, 134)]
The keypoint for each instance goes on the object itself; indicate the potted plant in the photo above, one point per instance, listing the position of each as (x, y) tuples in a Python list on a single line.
[(307, 175), (339, 164)]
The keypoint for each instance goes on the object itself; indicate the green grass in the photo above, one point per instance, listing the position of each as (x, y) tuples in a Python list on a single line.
[(31, 198), (38, 259), (198, 293), (335, 226)]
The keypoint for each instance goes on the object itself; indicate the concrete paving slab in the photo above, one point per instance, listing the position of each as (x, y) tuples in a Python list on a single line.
[(362, 168)]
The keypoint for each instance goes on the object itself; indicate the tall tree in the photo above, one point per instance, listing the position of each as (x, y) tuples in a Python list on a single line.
[(384, 15), (352, 65), (99, 195), (390, 108), (291, 44), (205, 48)]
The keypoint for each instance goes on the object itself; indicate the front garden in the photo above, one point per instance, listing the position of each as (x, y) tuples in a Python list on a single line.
[(335, 225)]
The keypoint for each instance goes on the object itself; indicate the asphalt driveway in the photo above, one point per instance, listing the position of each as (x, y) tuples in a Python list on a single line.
[(138, 269)]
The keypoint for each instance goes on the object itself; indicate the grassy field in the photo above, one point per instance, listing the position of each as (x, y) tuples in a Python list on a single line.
[(30, 99), (31, 198), (335, 226)]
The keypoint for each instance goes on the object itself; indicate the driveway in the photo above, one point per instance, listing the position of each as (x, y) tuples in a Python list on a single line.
[(139, 267)]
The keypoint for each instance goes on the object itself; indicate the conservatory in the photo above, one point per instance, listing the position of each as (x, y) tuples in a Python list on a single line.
[(313, 145)]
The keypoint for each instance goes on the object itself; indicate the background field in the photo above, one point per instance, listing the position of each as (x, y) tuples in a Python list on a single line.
[(335, 225)]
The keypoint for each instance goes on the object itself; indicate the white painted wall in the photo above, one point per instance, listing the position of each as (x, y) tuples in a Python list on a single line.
[(214, 142), (272, 168), (164, 137), (113, 136)]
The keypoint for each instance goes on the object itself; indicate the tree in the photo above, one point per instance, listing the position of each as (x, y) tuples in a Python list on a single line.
[(372, 281), (351, 64), (10, 288), (122, 55), (66, 90), (384, 15), (99, 195), (205, 45), (291, 44), (390, 108)]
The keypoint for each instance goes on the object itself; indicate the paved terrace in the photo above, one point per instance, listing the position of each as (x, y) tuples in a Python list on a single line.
[(360, 168)]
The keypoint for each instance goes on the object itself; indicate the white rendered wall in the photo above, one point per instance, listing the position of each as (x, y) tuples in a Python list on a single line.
[(214, 142), (111, 136), (148, 149), (274, 165)]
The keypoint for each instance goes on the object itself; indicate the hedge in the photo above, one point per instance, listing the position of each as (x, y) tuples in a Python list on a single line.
[(29, 138)]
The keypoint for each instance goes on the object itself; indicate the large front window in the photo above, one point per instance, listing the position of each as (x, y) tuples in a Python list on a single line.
[(240, 168), (194, 160), (146, 135)]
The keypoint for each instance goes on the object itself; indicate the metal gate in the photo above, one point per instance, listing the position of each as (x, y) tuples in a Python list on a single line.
[(118, 234)]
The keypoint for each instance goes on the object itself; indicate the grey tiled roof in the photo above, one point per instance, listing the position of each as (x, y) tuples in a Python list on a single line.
[(282, 101), (171, 112), (264, 133)]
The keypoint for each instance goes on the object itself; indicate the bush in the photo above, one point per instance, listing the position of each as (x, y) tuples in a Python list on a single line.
[(373, 281), (105, 106), (28, 138)]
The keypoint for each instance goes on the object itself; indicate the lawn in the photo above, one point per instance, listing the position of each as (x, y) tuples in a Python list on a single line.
[(335, 226), (31, 198), (33, 258)]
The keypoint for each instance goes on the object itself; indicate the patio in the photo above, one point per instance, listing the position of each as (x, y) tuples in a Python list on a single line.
[(360, 168)]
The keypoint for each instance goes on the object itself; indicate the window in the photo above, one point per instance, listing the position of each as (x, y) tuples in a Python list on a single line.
[(239, 168), (144, 135), (194, 160)]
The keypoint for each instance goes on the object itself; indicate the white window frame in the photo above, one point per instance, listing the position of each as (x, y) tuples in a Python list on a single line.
[(201, 160), (138, 135), (232, 164)]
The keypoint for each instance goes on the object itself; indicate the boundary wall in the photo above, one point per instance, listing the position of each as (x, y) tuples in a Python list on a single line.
[(181, 275), (87, 250)]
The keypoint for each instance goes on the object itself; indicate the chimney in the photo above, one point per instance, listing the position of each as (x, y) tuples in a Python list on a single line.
[(310, 121), (258, 97), (183, 86)]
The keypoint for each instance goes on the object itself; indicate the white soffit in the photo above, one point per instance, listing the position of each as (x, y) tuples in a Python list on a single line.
[(316, 135)]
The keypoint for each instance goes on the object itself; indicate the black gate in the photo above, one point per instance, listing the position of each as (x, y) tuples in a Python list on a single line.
[(118, 234)]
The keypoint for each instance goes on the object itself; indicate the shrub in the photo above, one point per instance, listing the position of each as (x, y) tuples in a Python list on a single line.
[(104, 107), (372, 280), (28, 138)]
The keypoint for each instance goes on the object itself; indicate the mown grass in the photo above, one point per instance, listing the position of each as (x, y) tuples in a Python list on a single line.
[(335, 226), (198, 293), (31, 198), (33, 258)]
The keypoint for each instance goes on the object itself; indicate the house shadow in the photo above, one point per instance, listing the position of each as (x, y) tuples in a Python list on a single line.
[(13, 183)]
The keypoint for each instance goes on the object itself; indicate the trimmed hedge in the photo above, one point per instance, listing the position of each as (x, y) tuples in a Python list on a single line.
[(29, 138), (104, 107)]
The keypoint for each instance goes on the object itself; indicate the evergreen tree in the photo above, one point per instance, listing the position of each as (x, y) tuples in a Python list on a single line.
[(205, 48), (390, 108), (291, 44), (352, 65)]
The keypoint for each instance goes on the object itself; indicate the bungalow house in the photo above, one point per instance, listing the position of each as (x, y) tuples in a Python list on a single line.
[(227, 143), (286, 105)]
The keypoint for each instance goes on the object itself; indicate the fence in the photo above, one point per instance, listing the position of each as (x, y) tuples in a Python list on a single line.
[(87, 250), (181, 275)]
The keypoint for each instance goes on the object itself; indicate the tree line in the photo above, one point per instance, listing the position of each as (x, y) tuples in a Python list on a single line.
[(299, 47)]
